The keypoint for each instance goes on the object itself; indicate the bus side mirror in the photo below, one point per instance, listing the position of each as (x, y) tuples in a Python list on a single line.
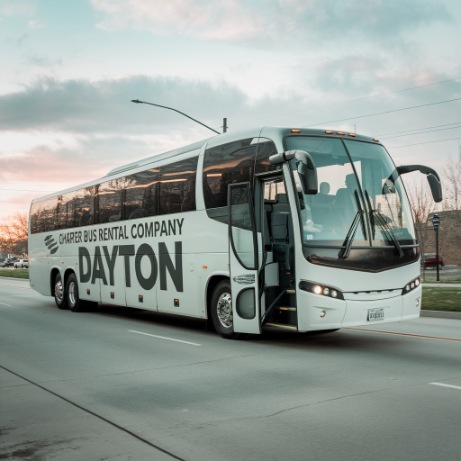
[(308, 174), (431, 175), (305, 166), (436, 187)]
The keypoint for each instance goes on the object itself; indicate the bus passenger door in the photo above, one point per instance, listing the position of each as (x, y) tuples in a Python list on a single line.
[(243, 260)]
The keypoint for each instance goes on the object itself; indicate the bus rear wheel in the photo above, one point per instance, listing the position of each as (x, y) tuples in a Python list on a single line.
[(73, 299), (221, 310), (59, 296)]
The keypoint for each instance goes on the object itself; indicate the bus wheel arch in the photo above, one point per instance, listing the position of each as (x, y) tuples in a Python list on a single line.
[(219, 306)]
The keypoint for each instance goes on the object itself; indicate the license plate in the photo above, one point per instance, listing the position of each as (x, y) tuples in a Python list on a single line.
[(375, 315)]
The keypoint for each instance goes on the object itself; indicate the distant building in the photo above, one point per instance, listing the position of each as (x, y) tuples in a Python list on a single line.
[(449, 236)]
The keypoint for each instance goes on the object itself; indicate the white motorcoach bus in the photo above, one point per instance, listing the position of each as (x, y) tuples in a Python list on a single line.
[(274, 227)]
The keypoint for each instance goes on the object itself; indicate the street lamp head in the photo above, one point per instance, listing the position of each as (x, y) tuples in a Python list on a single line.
[(137, 101)]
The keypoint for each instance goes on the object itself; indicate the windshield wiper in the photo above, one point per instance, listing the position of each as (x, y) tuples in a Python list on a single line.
[(387, 231), (358, 218), (376, 218), (346, 247)]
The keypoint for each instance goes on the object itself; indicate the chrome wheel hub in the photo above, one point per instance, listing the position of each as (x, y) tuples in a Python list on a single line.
[(58, 291), (224, 310)]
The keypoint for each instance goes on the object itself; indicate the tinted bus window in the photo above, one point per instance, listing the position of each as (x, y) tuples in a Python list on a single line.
[(223, 165), (265, 149), (140, 193), (177, 187), (43, 215), (110, 202)]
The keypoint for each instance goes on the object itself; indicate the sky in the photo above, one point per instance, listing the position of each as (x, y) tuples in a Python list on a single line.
[(69, 69)]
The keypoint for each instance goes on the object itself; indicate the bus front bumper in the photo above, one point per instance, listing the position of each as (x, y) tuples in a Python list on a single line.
[(317, 312)]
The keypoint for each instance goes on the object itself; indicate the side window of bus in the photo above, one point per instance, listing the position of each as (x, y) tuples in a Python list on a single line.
[(164, 190), (84, 207), (265, 149), (60, 220), (138, 187), (223, 165), (110, 202), (177, 187), (43, 215), (78, 211)]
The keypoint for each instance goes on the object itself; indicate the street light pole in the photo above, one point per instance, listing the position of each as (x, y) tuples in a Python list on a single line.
[(436, 224), (138, 101)]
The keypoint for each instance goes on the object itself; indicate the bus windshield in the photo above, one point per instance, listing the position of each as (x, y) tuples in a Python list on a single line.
[(361, 213)]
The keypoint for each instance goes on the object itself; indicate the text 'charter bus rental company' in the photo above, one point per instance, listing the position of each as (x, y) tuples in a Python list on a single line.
[(286, 228)]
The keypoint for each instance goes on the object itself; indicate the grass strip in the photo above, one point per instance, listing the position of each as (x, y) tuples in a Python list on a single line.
[(441, 299), (16, 273)]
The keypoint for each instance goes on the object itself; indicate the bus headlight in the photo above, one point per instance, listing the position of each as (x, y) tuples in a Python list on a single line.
[(410, 286), (321, 290)]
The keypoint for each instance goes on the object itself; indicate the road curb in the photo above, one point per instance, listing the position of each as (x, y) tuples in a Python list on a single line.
[(441, 314)]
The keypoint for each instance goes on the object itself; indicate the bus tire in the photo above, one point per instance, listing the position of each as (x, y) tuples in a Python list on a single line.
[(59, 293), (73, 300), (221, 310)]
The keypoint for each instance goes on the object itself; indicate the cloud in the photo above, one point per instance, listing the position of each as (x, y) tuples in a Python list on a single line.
[(81, 106), (28, 167), (11, 8), (340, 88), (225, 20), (61, 162), (33, 24), (277, 22)]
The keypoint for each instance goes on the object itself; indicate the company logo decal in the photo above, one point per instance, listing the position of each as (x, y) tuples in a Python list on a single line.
[(110, 255), (245, 279), (52, 245)]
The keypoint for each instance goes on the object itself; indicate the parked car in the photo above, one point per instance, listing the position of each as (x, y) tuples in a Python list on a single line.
[(9, 262), (21, 264), (430, 260)]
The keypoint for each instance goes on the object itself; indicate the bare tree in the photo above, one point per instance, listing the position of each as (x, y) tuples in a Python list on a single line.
[(6, 239), (452, 176), (422, 206), (14, 236), (20, 226), (19, 231)]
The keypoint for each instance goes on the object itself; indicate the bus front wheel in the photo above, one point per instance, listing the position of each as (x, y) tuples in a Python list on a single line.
[(59, 296), (221, 310)]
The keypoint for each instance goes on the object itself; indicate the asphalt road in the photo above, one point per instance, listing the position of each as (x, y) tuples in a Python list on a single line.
[(121, 384)]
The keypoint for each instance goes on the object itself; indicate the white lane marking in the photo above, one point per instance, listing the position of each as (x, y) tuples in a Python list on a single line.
[(7, 305), (164, 337), (447, 385)]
